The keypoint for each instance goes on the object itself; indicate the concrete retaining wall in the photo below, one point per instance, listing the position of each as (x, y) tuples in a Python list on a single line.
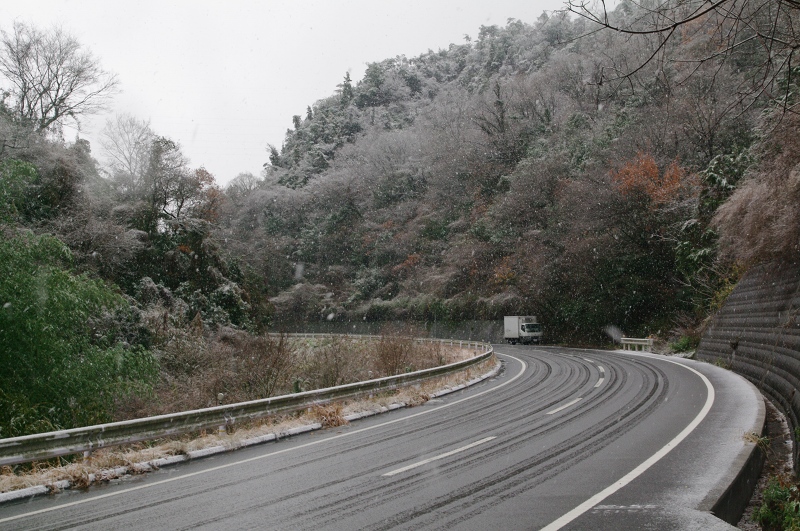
[(757, 334)]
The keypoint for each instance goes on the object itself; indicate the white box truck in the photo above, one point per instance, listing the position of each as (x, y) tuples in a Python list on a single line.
[(522, 329)]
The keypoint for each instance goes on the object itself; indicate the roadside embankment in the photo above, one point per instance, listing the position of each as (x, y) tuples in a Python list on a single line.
[(757, 334)]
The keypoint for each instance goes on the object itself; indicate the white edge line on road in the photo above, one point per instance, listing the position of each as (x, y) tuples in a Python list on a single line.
[(436, 458), (565, 406), (639, 470), (271, 454)]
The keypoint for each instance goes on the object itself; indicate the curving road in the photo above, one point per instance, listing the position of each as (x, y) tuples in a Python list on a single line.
[(562, 438)]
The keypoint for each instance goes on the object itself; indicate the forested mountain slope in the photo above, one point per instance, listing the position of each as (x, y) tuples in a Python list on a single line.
[(516, 173)]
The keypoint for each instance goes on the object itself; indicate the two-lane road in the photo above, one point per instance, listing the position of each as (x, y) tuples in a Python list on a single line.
[(561, 438)]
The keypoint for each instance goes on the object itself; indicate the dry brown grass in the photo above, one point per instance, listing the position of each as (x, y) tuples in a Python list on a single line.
[(329, 415), (338, 360), (197, 366), (761, 221), (328, 362)]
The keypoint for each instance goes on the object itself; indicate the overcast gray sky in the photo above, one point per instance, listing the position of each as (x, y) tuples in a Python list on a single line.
[(225, 78)]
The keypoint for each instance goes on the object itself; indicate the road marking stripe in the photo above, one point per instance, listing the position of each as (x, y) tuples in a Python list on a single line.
[(442, 456), (271, 454), (565, 406), (602, 372), (639, 470)]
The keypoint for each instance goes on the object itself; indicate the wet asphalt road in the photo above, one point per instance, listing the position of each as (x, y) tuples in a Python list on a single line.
[(554, 440)]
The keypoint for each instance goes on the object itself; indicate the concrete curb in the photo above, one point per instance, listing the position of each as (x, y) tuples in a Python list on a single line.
[(155, 464), (730, 498)]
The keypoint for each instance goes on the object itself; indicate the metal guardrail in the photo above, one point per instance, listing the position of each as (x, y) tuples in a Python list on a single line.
[(41, 446), (630, 343)]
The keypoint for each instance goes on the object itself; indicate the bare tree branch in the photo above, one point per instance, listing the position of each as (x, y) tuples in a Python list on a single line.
[(581, 9), (760, 32), (52, 79)]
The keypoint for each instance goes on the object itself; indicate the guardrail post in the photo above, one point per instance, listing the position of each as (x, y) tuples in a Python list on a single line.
[(222, 430)]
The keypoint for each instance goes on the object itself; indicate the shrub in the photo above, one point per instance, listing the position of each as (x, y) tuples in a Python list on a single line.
[(64, 359), (15, 183), (397, 352), (266, 363), (197, 366), (392, 355), (781, 508), (685, 344), (333, 363)]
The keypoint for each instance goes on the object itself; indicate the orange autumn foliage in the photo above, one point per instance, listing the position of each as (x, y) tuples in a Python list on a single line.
[(504, 272), (410, 263), (641, 175)]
